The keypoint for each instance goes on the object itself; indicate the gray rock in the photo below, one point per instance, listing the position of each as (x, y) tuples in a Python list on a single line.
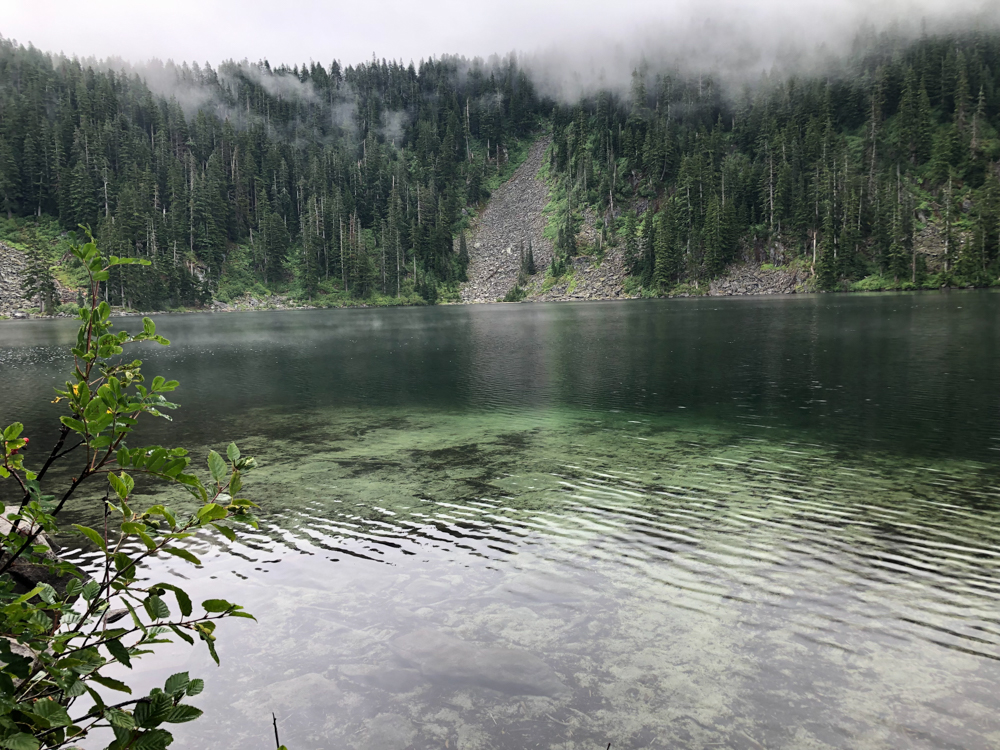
[(386, 732), (26, 575), (445, 659)]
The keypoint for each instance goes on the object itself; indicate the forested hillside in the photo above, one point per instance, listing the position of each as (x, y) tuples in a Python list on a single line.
[(839, 170), (354, 181)]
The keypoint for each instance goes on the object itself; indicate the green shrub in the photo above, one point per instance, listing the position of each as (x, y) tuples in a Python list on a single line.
[(58, 639)]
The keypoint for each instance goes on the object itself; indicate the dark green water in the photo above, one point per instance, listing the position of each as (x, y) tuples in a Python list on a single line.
[(735, 523)]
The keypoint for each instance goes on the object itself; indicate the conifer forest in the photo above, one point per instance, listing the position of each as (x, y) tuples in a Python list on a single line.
[(360, 180)]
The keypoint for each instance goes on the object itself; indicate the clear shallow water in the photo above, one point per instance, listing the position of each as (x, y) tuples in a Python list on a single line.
[(693, 523)]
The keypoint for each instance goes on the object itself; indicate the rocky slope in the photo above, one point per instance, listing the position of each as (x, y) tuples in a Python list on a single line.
[(12, 267), (512, 216), (753, 278)]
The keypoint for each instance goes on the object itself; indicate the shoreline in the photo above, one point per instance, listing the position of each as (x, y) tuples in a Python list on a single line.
[(215, 310)]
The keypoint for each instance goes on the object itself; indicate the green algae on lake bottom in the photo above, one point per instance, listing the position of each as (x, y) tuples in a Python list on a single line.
[(735, 523), (686, 586)]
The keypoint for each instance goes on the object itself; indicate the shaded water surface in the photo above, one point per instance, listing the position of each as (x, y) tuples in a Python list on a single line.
[(735, 523)]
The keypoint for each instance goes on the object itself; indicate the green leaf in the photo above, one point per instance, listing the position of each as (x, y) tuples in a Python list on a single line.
[(153, 739), (176, 683), (195, 686), (92, 536), (235, 483), (148, 326), (217, 605), (118, 718), (119, 652), (52, 712), (156, 608), (110, 683), (217, 466), (211, 512), (122, 485), (147, 540), (181, 634), (13, 431), (233, 453), (74, 424), (183, 600), (225, 531), (135, 617), (47, 593), (20, 741), (90, 590), (183, 554), (182, 713)]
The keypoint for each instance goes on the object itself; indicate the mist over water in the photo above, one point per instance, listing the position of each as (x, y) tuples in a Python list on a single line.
[(688, 523)]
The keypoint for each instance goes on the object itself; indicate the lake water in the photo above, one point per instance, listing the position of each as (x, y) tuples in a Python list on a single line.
[(734, 523)]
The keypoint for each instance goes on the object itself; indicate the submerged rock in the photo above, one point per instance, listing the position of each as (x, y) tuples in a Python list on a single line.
[(444, 658), (392, 680), (386, 732)]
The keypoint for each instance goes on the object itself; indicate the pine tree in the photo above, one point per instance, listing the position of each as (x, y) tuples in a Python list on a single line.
[(39, 281), (826, 264), (8, 178), (631, 257)]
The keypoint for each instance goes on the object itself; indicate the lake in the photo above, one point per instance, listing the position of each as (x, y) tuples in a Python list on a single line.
[(737, 522)]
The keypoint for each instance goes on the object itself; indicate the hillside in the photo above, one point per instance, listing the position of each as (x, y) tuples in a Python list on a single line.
[(351, 184)]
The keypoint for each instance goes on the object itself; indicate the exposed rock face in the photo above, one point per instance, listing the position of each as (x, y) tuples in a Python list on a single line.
[(512, 216), (751, 278), (12, 269), (27, 575), (591, 279), (444, 658)]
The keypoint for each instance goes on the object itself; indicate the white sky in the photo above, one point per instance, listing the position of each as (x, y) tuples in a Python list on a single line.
[(296, 31)]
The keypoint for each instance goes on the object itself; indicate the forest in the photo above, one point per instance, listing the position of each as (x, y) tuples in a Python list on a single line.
[(358, 182)]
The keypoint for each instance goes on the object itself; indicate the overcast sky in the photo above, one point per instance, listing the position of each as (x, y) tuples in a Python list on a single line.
[(296, 31)]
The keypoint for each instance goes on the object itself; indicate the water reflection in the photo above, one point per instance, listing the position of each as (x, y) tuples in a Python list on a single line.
[(712, 523)]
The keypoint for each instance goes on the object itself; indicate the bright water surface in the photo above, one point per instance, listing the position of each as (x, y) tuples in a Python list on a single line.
[(739, 523)]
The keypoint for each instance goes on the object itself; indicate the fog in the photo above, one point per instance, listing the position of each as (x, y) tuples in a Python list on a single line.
[(570, 47)]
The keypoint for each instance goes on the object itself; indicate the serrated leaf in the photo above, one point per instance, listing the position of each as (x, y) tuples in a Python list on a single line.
[(119, 652), (110, 683), (195, 686), (91, 535), (153, 739), (156, 608), (118, 718), (211, 512), (183, 554), (217, 605), (225, 531), (232, 452), (20, 741), (217, 466), (52, 712), (183, 600), (182, 713), (176, 683), (90, 590), (181, 634)]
